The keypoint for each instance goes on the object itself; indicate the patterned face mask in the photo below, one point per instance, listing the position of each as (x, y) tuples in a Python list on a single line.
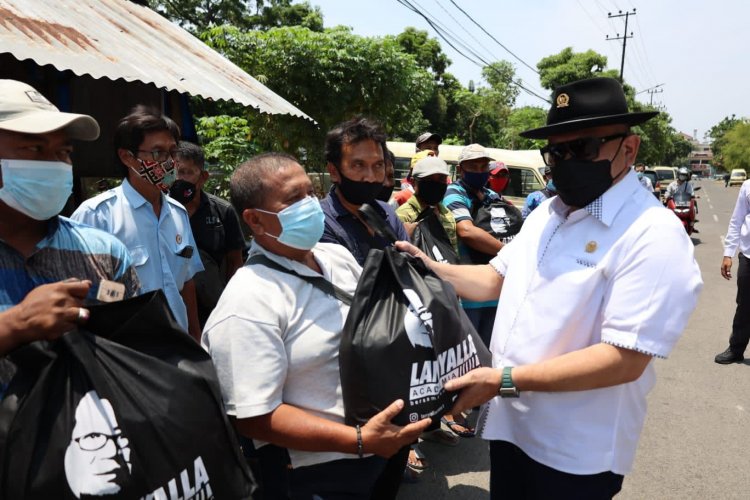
[(161, 174)]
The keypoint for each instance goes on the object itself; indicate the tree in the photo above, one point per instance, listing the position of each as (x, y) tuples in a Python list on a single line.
[(427, 51), (736, 148), (568, 66), (429, 55), (227, 142), (198, 15), (521, 119), (717, 133), (330, 75)]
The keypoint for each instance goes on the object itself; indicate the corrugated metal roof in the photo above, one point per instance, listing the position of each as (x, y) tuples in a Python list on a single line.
[(119, 39)]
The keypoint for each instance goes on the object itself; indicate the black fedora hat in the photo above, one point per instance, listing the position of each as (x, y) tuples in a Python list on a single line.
[(585, 104)]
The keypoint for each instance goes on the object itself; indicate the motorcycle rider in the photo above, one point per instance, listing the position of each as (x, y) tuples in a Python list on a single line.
[(682, 185)]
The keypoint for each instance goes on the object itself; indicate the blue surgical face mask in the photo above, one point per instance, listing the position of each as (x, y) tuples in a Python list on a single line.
[(640, 175), (476, 180), (551, 186), (38, 189), (302, 224)]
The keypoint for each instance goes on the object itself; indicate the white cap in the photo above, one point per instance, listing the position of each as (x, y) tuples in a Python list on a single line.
[(25, 110), (430, 166), (473, 152)]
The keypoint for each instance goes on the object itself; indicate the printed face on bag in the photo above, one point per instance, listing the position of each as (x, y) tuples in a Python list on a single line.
[(97, 460)]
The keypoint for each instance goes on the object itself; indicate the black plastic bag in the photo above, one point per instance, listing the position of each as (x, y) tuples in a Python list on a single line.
[(404, 336), (132, 410), (501, 219), (430, 237)]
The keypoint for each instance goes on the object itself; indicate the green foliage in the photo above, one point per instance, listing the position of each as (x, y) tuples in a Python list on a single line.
[(426, 51), (736, 147), (568, 66), (717, 134), (330, 75), (521, 119), (227, 142), (480, 115), (198, 15)]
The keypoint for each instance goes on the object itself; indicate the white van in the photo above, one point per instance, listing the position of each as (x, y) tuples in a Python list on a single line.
[(525, 167)]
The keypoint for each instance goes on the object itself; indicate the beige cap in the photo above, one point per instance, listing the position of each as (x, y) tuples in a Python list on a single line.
[(473, 152), (430, 166), (25, 110)]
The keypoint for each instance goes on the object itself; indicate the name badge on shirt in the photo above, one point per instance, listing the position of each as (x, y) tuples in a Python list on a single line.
[(110, 291)]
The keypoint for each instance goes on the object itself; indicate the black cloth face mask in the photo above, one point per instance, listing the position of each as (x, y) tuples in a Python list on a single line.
[(579, 182), (358, 192), (431, 192), (183, 191), (385, 194)]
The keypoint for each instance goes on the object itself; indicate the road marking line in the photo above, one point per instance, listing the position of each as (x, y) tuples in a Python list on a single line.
[(710, 206), (716, 219), (721, 239), (739, 407)]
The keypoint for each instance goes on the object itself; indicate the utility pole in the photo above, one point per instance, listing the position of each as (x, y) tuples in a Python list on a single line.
[(654, 91), (624, 38)]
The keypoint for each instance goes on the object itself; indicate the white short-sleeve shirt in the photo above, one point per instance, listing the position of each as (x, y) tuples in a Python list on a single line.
[(620, 271), (274, 338)]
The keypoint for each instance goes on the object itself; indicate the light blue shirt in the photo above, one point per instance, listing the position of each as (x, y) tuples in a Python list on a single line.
[(154, 244)]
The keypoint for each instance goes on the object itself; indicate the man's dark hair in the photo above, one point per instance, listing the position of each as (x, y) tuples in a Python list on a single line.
[(351, 132), (248, 187), (390, 157), (132, 129), (191, 152)]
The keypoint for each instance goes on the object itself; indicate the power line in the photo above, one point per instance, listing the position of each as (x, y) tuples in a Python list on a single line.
[(419, 11), (495, 39), (642, 42), (463, 28), (593, 21)]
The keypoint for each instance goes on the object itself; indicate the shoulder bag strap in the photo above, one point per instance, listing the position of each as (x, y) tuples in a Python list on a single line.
[(320, 283)]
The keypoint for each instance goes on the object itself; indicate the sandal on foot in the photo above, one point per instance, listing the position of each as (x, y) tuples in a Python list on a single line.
[(441, 437), (416, 460), (454, 427)]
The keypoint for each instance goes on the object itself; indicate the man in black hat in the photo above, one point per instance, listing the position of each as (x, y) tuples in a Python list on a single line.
[(580, 316)]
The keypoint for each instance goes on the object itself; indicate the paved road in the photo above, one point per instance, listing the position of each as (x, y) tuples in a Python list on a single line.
[(696, 441)]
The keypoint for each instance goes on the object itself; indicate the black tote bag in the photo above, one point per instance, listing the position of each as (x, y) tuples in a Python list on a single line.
[(405, 335), (501, 219), (128, 408), (430, 237)]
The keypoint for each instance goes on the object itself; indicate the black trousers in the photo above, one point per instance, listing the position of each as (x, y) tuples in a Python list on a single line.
[(516, 476), (483, 319), (741, 324), (346, 479), (388, 483)]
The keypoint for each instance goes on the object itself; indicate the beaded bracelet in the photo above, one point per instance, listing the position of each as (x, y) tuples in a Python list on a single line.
[(359, 441)]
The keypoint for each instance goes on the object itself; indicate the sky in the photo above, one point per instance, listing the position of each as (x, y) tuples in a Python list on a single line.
[(696, 50)]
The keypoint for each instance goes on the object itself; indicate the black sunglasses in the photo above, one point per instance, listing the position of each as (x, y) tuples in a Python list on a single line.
[(585, 148)]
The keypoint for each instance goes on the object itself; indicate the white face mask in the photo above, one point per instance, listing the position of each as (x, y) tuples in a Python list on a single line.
[(38, 189)]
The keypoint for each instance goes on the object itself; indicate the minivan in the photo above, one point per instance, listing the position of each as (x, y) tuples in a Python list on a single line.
[(525, 167), (737, 177)]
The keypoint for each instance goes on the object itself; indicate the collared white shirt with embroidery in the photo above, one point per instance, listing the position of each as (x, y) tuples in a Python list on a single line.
[(738, 232), (620, 271)]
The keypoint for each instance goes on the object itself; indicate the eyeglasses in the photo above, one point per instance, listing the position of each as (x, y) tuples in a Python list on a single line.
[(159, 155), (96, 441), (585, 148)]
